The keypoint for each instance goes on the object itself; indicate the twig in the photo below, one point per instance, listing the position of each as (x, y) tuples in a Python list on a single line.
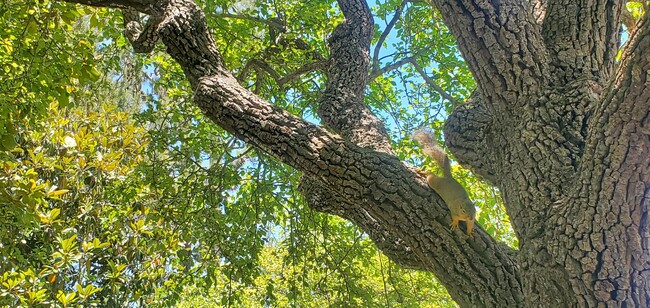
[(433, 85)]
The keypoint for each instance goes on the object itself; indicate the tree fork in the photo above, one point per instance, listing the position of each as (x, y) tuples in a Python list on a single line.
[(572, 135)]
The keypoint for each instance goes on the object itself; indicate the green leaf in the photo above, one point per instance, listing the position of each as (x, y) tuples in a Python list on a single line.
[(57, 193), (7, 142), (92, 72), (66, 299)]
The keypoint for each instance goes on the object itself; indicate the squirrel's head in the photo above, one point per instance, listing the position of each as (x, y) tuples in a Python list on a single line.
[(469, 209)]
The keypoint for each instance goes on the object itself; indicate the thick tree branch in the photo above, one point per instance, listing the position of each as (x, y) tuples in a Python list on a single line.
[(394, 196), (613, 216), (327, 201), (634, 61), (582, 38), (341, 107), (625, 110), (399, 202), (503, 46)]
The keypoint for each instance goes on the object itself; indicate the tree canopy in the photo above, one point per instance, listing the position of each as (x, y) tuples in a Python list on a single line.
[(181, 152)]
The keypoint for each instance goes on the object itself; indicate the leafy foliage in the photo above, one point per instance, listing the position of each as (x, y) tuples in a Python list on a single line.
[(67, 236), (115, 190), (41, 61)]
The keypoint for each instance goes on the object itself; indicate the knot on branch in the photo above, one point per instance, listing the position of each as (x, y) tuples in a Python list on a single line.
[(142, 38), (321, 199), (468, 132)]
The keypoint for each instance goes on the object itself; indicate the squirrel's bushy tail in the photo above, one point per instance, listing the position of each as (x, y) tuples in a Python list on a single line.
[(427, 140)]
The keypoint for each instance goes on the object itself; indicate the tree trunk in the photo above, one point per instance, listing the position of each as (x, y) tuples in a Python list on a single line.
[(556, 123)]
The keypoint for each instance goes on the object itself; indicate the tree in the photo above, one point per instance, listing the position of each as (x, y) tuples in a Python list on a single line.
[(558, 123)]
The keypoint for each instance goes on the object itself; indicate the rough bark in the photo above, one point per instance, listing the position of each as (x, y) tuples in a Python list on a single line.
[(552, 125), (569, 159)]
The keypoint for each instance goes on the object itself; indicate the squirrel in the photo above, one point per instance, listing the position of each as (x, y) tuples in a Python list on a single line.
[(454, 195)]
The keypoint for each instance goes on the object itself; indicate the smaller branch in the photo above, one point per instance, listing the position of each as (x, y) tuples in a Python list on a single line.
[(266, 67), (628, 20), (382, 38), (376, 73), (276, 24), (143, 6), (305, 69), (281, 81), (341, 106), (273, 23), (244, 71), (258, 82), (381, 71), (455, 103)]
